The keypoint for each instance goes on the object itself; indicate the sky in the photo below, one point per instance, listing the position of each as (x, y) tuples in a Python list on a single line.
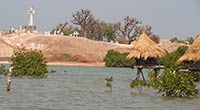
[(168, 18)]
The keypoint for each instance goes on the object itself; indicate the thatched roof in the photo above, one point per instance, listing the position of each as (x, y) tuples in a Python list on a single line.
[(145, 48), (6, 50), (193, 52)]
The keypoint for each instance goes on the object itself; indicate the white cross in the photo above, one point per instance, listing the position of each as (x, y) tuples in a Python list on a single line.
[(75, 34), (31, 12)]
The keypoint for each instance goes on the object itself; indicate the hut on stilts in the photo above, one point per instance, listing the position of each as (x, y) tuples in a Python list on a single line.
[(192, 56), (145, 52)]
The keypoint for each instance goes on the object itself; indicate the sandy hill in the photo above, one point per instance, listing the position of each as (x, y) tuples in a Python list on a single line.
[(70, 49), (63, 48), (169, 46), (5, 49)]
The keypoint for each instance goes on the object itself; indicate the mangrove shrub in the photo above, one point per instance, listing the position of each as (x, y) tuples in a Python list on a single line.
[(31, 63), (117, 59), (3, 70)]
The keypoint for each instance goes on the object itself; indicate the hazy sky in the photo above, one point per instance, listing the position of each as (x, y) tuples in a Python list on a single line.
[(169, 18)]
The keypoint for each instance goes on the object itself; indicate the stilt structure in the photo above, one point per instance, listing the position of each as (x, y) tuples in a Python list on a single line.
[(145, 51), (192, 56)]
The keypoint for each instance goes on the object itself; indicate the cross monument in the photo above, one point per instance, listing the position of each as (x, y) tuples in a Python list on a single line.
[(31, 12)]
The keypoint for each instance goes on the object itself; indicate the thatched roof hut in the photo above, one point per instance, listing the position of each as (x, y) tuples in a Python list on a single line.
[(145, 48), (193, 52)]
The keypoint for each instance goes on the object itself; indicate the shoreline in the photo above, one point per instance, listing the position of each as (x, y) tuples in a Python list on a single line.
[(99, 64)]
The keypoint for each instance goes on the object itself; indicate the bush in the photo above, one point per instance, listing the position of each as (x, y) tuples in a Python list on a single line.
[(155, 38), (169, 60), (3, 70), (116, 59), (175, 39), (29, 63), (170, 83), (178, 84)]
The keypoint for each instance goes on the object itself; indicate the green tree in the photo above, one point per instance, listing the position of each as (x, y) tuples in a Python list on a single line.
[(69, 29), (31, 63), (109, 32)]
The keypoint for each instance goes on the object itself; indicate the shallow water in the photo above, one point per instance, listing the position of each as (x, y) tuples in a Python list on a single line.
[(83, 88)]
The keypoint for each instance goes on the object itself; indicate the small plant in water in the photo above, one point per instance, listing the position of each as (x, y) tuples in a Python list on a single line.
[(109, 82), (138, 84), (52, 71)]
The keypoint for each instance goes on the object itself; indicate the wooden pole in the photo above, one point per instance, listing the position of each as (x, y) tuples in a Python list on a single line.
[(8, 79)]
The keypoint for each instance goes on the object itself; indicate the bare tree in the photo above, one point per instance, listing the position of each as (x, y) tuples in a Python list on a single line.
[(59, 28), (131, 29), (95, 32), (139, 29), (85, 19), (128, 27)]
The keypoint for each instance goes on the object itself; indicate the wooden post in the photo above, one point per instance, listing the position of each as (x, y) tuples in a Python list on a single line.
[(139, 71), (8, 79), (142, 74)]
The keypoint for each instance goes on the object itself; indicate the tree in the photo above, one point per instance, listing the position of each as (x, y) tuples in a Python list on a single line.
[(68, 30), (85, 19), (29, 63), (131, 29), (109, 32), (155, 38), (95, 31), (190, 40), (59, 28)]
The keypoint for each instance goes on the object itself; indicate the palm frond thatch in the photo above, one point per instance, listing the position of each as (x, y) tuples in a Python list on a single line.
[(145, 48), (193, 52)]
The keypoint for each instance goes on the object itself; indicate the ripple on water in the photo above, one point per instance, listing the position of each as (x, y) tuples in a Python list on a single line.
[(83, 88)]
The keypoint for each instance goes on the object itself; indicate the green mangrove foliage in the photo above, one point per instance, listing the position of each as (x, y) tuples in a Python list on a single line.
[(109, 82), (117, 59), (169, 60), (170, 83), (31, 63), (3, 70), (175, 39)]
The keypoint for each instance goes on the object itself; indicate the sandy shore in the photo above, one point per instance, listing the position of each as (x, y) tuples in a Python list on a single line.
[(68, 63), (76, 64)]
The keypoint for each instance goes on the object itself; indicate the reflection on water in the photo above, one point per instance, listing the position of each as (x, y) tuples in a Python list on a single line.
[(83, 88)]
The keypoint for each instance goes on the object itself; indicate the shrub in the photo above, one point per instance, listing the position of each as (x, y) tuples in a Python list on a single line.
[(175, 39), (178, 84), (170, 83), (3, 70), (155, 38), (116, 59), (169, 60), (29, 63)]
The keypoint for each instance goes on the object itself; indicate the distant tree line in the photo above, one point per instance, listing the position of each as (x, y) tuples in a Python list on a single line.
[(92, 28)]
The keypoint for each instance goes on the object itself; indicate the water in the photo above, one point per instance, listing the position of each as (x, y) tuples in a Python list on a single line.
[(83, 88)]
